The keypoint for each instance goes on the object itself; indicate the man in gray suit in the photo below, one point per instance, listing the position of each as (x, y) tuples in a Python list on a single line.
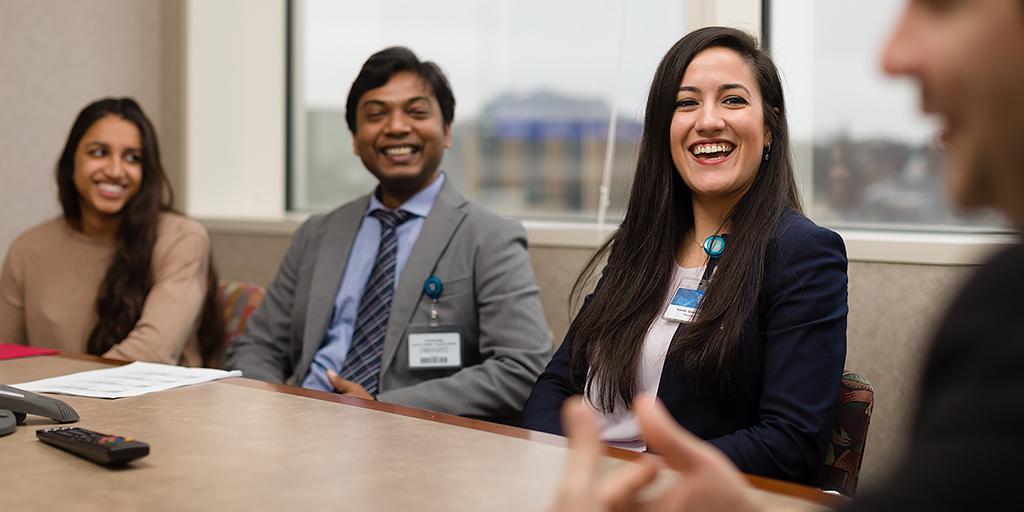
[(412, 294)]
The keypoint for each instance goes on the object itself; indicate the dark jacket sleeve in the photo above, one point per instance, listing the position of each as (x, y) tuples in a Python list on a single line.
[(543, 409), (803, 311), (965, 451)]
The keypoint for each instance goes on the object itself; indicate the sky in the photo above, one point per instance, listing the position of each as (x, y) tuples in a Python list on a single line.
[(827, 52), (486, 46)]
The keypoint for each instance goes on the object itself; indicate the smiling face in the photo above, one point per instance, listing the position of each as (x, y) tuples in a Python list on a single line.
[(966, 55), (108, 168), (718, 134), (400, 135)]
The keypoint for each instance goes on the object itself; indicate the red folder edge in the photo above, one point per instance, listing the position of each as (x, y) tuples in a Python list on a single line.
[(12, 351)]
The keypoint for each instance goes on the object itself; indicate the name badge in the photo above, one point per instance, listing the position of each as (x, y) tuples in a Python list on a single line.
[(684, 305), (433, 347)]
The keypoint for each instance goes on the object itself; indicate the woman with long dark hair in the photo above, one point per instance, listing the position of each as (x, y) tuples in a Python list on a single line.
[(718, 294), (120, 274)]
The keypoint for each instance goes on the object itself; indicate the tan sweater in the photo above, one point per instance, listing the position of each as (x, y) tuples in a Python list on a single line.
[(52, 275)]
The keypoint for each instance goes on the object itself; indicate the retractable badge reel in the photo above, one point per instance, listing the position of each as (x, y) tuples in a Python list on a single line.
[(433, 287), (714, 246), (686, 300), (433, 345)]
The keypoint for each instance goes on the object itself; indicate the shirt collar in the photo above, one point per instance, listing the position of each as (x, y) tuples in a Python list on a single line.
[(418, 205)]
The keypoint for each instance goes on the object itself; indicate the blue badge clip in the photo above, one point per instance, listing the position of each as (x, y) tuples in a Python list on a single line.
[(433, 287), (714, 246)]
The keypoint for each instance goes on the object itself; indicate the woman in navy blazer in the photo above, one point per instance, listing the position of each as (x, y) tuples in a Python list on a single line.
[(756, 369)]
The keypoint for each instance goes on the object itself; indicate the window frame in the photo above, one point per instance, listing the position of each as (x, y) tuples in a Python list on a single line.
[(258, 175)]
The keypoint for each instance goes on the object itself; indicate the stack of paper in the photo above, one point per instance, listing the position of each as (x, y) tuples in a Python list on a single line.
[(133, 379)]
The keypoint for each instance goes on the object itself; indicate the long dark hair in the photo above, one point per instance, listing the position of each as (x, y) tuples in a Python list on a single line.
[(608, 334), (130, 275)]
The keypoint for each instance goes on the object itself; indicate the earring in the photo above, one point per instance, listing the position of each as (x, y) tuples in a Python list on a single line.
[(767, 149)]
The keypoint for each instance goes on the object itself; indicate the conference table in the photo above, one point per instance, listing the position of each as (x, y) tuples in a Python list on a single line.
[(241, 444)]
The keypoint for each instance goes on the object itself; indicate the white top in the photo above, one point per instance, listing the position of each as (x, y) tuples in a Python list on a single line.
[(620, 429)]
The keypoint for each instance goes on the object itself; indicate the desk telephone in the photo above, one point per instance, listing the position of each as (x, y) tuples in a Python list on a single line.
[(105, 449), (16, 403)]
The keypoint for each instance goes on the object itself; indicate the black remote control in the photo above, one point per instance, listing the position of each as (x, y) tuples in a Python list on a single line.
[(100, 448)]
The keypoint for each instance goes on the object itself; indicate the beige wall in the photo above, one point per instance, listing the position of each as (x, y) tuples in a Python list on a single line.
[(892, 309), (56, 57)]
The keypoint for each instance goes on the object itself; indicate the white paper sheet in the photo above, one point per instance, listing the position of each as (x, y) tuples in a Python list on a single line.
[(133, 379)]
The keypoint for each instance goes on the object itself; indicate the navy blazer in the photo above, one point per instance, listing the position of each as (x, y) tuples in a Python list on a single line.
[(788, 369)]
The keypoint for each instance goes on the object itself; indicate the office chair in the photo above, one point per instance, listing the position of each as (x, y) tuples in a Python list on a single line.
[(238, 300), (849, 434)]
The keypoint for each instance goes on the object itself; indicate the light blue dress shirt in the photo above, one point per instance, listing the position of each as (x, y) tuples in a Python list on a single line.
[(338, 338)]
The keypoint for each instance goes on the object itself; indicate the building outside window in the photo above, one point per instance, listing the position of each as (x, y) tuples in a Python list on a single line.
[(868, 158), (536, 84)]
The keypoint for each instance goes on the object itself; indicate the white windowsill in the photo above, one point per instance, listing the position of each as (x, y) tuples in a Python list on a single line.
[(923, 248), (863, 246)]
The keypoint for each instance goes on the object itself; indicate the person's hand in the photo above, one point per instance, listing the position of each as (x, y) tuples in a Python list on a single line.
[(707, 479), (581, 489), (347, 387)]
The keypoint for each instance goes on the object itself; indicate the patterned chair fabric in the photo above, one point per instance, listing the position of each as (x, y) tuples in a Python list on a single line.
[(849, 434), (238, 300)]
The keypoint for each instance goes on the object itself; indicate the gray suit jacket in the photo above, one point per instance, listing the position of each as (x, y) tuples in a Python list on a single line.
[(489, 291)]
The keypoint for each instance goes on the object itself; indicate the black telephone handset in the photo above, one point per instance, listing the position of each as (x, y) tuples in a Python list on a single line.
[(8, 421), (19, 403)]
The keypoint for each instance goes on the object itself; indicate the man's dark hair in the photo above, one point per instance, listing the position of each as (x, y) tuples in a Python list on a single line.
[(381, 66)]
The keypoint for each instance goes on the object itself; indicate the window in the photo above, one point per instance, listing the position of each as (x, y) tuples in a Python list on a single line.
[(537, 84), (866, 153)]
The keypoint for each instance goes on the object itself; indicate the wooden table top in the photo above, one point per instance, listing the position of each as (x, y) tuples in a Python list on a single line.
[(240, 444)]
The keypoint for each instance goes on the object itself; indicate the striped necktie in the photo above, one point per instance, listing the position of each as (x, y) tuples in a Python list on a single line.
[(362, 364)]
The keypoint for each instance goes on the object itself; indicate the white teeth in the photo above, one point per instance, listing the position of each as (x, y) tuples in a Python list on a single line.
[(111, 188), (702, 149), (398, 150)]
